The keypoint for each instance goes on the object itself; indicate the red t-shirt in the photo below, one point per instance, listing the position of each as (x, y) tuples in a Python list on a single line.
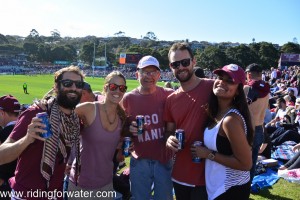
[(151, 144), (28, 177), (186, 110)]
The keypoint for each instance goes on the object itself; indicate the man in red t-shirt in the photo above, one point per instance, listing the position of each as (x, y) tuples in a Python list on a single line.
[(185, 109), (150, 162), (41, 162)]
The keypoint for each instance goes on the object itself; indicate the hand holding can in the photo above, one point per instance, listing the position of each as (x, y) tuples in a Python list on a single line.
[(195, 158), (140, 120), (45, 120), (180, 135)]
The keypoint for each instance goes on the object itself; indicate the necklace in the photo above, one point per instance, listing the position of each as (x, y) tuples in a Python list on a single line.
[(107, 117)]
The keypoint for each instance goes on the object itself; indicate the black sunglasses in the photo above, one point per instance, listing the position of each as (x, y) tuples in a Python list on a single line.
[(184, 62), (113, 87), (229, 81), (68, 83)]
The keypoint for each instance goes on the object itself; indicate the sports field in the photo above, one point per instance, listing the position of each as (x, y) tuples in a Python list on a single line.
[(40, 84)]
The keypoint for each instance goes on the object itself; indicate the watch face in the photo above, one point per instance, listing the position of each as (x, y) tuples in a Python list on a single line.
[(211, 156)]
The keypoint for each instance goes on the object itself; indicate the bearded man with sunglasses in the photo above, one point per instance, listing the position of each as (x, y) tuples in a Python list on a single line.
[(150, 162), (41, 162), (185, 109)]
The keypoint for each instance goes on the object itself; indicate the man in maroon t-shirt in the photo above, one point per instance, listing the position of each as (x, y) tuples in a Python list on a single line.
[(150, 162), (185, 109), (41, 162)]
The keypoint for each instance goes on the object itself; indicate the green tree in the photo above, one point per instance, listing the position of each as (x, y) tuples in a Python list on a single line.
[(55, 34), (290, 48), (63, 53), (44, 53), (3, 39), (212, 57), (241, 55), (87, 52), (31, 48), (150, 36), (268, 55)]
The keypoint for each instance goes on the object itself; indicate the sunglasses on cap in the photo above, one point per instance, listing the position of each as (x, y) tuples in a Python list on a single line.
[(68, 83), (226, 80), (113, 87), (184, 62)]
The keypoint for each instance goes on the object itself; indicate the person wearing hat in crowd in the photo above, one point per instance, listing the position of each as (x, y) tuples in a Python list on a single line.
[(9, 112), (185, 110), (228, 137), (41, 162), (150, 162), (257, 92), (88, 95)]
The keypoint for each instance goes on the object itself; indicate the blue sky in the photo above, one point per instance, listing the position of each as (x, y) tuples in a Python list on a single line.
[(276, 21)]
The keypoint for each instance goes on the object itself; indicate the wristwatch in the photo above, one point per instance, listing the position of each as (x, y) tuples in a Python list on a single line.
[(212, 155)]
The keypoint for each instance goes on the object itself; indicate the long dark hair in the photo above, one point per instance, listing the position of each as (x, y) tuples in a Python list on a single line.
[(240, 103)]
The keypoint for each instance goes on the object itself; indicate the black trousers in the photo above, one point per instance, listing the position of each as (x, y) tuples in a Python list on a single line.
[(183, 192)]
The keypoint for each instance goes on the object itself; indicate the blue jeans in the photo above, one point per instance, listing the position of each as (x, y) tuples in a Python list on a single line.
[(257, 142), (144, 173)]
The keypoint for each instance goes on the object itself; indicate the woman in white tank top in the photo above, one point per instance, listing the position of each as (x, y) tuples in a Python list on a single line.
[(228, 138)]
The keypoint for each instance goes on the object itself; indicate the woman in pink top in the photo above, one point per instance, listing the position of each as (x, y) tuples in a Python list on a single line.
[(103, 122)]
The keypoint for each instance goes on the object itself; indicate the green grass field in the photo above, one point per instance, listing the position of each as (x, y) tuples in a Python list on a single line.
[(40, 84)]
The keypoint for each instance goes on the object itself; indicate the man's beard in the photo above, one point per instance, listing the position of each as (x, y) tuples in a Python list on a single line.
[(182, 80), (67, 102)]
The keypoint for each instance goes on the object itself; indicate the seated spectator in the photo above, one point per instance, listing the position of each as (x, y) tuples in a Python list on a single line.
[(280, 113), (293, 163)]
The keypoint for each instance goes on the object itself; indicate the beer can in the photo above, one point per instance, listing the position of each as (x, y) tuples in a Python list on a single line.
[(140, 123), (126, 145), (196, 159), (179, 134), (45, 120)]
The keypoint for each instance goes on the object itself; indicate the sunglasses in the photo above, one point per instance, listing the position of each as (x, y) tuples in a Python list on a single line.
[(226, 80), (113, 87), (68, 83), (185, 62)]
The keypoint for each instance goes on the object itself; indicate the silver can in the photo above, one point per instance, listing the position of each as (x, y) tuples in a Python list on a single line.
[(196, 159)]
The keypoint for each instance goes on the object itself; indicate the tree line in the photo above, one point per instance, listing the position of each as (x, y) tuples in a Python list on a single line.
[(210, 56)]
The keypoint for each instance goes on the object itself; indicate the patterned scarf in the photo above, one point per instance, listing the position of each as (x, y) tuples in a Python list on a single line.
[(66, 130)]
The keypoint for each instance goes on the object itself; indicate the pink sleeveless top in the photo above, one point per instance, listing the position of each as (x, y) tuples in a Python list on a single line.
[(98, 148)]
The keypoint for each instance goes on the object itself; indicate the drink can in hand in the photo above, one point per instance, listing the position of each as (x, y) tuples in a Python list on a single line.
[(179, 134), (140, 123), (45, 120), (196, 159), (126, 145)]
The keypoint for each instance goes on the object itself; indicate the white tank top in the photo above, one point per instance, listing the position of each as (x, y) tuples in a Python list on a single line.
[(220, 178)]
